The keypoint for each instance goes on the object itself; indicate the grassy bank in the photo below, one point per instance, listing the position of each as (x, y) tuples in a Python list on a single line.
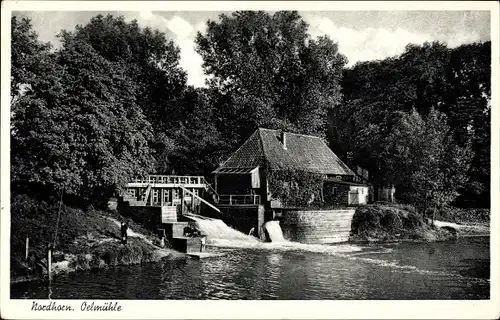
[(393, 222), (85, 240)]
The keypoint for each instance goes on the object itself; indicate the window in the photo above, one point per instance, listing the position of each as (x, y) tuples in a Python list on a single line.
[(334, 191), (166, 195)]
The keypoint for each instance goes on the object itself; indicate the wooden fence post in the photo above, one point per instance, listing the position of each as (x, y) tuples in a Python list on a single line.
[(183, 195), (27, 247), (49, 262)]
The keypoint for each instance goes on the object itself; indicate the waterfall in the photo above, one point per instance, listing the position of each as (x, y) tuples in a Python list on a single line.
[(221, 235), (216, 229), (274, 232)]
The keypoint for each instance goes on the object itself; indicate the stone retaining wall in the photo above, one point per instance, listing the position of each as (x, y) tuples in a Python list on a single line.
[(317, 226)]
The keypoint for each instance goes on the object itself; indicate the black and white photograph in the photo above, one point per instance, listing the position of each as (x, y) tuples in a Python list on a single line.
[(266, 153)]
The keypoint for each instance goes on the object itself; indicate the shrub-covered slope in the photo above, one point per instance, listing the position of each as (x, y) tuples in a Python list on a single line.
[(85, 240)]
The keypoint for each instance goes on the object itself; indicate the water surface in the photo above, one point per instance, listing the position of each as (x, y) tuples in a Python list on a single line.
[(457, 269)]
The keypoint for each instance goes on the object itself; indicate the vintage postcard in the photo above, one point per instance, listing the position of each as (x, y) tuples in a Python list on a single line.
[(292, 160)]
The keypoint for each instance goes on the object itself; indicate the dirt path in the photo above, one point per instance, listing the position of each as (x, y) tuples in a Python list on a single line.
[(130, 232)]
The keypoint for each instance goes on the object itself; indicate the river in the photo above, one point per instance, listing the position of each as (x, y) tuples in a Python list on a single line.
[(458, 269)]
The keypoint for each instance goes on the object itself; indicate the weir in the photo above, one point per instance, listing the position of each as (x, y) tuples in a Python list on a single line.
[(308, 227), (216, 229), (221, 235)]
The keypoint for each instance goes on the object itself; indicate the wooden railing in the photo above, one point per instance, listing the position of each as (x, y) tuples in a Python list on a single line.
[(238, 199), (154, 179)]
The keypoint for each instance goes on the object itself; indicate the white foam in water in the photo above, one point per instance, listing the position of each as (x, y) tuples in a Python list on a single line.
[(381, 251), (216, 229), (285, 245), (221, 235)]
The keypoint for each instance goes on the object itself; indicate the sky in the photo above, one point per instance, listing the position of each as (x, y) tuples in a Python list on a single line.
[(361, 35)]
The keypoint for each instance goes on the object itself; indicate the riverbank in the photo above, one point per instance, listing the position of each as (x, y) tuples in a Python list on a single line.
[(85, 240), (395, 222)]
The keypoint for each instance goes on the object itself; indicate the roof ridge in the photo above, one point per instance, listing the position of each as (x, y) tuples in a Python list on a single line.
[(296, 134)]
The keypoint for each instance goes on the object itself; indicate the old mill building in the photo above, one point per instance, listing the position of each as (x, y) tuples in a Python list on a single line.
[(241, 179)]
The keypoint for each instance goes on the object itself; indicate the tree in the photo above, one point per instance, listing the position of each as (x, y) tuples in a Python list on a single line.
[(269, 73), (430, 76), (424, 162), (469, 99), (197, 141), (424, 68), (79, 129), (151, 61), (30, 58)]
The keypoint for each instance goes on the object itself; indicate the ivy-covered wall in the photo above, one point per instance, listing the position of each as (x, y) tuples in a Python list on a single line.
[(296, 188)]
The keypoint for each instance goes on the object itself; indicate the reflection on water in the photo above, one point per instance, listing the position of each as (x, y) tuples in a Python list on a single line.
[(448, 270)]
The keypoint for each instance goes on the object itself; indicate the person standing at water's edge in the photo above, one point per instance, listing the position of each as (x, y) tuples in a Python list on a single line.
[(203, 239), (124, 228)]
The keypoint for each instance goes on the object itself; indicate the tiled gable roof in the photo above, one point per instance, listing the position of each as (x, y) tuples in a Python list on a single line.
[(249, 154), (302, 152)]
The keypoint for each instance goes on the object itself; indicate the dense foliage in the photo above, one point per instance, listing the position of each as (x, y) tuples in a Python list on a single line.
[(295, 188), (423, 115), (112, 102), (423, 161), (78, 128)]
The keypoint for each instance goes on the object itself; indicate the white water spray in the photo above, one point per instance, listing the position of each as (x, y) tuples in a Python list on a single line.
[(220, 235), (215, 230), (274, 232)]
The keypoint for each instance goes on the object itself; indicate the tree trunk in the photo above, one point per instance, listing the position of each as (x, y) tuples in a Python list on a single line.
[(425, 208), (433, 215)]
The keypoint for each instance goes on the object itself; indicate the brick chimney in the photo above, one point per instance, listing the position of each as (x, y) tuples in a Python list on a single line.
[(283, 139)]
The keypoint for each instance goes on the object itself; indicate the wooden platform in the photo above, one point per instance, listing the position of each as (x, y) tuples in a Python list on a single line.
[(203, 255)]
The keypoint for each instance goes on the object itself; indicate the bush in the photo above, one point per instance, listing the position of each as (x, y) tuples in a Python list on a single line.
[(386, 221)]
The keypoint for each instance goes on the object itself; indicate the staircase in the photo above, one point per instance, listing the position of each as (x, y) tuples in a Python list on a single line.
[(146, 193), (174, 233)]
